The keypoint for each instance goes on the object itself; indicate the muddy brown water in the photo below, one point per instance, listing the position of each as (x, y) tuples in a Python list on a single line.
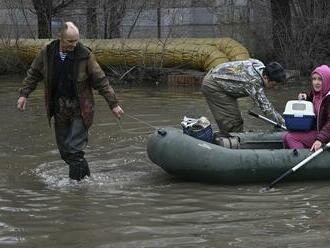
[(130, 202)]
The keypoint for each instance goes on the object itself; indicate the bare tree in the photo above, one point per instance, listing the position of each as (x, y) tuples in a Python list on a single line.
[(281, 16), (92, 24), (159, 20), (12, 13), (45, 10), (17, 13), (113, 14), (305, 41), (139, 11)]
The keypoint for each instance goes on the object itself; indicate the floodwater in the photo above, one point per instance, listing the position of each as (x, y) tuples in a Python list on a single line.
[(130, 202)]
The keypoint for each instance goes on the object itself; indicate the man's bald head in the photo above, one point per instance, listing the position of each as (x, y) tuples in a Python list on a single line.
[(68, 28), (69, 37)]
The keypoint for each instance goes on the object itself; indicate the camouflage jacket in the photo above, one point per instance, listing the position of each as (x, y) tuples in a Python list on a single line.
[(86, 74), (241, 79)]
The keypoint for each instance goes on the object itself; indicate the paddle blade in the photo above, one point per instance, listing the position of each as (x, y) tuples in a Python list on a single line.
[(266, 189), (272, 184)]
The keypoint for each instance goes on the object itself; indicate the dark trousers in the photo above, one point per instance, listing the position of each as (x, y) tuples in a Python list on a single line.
[(71, 137), (224, 108)]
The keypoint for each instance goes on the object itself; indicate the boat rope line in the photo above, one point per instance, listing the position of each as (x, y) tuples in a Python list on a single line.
[(138, 120)]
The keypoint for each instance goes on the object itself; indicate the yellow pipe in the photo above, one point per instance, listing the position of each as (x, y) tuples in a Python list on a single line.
[(197, 53)]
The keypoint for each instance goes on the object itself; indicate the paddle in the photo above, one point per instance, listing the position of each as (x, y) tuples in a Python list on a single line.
[(266, 119), (293, 169)]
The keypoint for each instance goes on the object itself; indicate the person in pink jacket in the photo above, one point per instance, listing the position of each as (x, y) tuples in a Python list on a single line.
[(320, 97)]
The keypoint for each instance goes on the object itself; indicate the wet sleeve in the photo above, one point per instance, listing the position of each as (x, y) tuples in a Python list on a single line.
[(259, 97), (33, 77), (101, 83)]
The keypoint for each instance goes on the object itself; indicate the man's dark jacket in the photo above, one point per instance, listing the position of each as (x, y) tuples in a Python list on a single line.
[(85, 73)]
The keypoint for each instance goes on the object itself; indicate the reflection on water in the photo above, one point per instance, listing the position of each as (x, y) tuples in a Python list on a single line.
[(128, 201)]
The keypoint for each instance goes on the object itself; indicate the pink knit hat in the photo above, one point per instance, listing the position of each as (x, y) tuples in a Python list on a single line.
[(324, 72)]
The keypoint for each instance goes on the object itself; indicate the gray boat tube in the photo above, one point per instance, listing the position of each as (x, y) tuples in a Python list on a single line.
[(191, 159)]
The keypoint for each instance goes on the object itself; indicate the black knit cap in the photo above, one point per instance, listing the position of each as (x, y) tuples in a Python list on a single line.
[(275, 72)]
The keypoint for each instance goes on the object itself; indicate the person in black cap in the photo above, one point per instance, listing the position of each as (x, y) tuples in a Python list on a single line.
[(229, 81)]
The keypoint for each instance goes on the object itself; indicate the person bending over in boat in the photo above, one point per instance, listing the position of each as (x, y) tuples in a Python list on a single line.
[(320, 97), (229, 81)]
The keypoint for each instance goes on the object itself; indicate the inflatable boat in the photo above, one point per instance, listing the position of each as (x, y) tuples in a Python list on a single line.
[(242, 158)]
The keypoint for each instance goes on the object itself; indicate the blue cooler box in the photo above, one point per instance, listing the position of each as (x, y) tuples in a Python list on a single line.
[(299, 115)]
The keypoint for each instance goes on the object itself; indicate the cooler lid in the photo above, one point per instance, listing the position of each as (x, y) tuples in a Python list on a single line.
[(299, 108)]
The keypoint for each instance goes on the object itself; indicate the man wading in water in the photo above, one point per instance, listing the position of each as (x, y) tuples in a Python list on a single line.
[(69, 71)]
